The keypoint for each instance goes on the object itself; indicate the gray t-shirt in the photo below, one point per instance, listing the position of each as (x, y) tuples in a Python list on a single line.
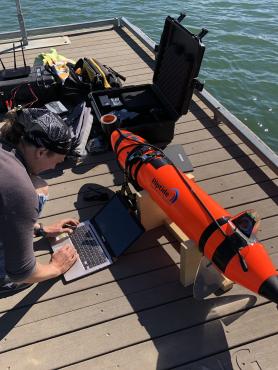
[(18, 214)]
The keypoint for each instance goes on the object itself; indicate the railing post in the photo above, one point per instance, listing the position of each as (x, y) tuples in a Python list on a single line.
[(21, 23)]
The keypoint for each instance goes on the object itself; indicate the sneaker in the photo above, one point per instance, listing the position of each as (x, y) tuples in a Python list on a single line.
[(13, 287)]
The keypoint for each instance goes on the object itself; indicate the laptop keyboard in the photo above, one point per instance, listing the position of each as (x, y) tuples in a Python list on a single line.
[(90, 252)]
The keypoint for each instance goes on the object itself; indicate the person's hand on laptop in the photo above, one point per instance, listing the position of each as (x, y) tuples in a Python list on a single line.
[(63, 259), (66, 225)]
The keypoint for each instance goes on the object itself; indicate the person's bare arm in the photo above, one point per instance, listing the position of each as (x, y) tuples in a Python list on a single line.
[(59, 263), (66, 225)]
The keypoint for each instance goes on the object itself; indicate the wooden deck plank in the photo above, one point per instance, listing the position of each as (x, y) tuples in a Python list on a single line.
[(70, 320), (98, 39), (239, 179), (75, 183), (255, 200), (101, 165), (216, 155), (92, 296), (267, 234), (132, 289), (269, 227), (248, 194), (98, 286), (231, 142), (229, 198), (230, 165), (100, 47), (117, 61), (99, 283), (266, 207), (88, 46), (201, 122), (97, 165), (219, 156), (203, 134), (127, 266), (204, 119), (196, 340), (93, 307), (261, 354)]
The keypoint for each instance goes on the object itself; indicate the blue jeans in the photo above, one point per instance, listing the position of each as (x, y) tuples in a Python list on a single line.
[(42, 200)]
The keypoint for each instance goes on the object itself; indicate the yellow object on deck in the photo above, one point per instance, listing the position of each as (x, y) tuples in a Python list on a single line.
[(91, 75), (53, 58), (57, 61)]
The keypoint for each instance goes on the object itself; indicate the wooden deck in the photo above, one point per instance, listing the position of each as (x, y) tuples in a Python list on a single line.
[(136, 315)]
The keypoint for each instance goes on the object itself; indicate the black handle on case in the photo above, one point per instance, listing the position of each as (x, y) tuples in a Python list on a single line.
[(181, 17), (202, 33), (198, 85)]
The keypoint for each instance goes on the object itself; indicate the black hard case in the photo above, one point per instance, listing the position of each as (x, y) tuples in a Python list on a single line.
[(39, 83), (160, 104)]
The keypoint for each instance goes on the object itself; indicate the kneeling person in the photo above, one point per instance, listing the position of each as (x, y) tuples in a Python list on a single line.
[(31, 141)]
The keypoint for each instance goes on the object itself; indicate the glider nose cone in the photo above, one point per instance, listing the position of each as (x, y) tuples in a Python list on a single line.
[(269, 289)]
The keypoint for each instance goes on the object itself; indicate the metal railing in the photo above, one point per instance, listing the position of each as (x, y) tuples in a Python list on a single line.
[(21, 23)]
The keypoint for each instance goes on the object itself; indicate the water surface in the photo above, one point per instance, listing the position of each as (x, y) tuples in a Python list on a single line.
[(240, 64)]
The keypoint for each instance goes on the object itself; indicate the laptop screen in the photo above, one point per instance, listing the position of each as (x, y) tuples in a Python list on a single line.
[(119, 228)]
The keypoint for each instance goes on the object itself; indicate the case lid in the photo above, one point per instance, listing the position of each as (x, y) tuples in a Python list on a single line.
[(178, 63)]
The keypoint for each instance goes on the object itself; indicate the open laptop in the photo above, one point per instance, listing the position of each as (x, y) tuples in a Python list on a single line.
[(103, 238)]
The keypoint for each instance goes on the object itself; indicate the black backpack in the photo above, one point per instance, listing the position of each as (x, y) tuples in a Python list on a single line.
[(88, 75)]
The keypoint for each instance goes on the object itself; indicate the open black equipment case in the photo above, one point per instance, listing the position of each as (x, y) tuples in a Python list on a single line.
[(151, 110)]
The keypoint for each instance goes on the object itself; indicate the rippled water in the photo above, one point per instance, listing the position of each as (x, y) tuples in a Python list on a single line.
[(240, 67)]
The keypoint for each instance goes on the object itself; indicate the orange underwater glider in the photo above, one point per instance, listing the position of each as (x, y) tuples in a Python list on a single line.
[(227, 241)]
